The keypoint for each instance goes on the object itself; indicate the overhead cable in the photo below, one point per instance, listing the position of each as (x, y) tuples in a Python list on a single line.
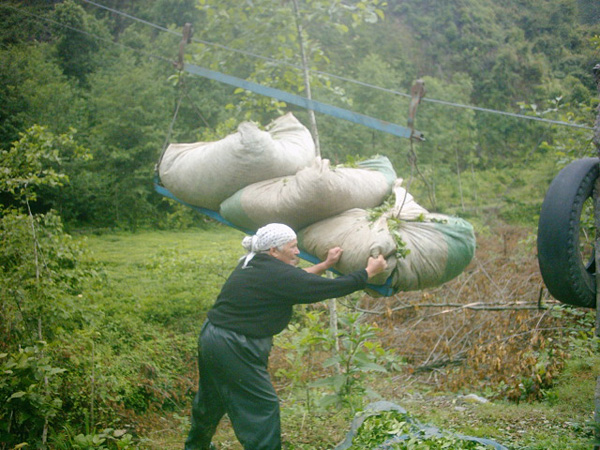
[(290, 98), (129, 16), (279, 62), (340, 113), (349, 80)]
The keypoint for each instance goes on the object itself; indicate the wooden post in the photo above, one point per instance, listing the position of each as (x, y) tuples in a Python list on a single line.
[(311, 114), (597, 257)]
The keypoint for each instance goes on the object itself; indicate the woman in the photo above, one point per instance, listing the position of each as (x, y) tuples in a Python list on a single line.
[(255, 304)]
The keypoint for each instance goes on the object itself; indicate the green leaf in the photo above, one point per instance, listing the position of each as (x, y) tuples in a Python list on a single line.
[(370, 367), (328, 400), (341, 28), (332, 361), (323, 382), (17, 395)]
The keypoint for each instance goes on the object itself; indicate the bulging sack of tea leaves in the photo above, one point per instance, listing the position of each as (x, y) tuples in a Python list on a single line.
[(312, 194), (206, 173), (357, 236), (427, 249)]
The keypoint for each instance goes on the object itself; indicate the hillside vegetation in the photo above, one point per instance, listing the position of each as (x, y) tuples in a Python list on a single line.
[(104, 284)]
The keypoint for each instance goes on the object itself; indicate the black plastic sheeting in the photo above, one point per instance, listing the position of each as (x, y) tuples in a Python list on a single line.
[(426, 430)]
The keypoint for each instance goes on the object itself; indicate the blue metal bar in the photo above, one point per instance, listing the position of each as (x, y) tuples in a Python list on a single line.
[(303, 102)]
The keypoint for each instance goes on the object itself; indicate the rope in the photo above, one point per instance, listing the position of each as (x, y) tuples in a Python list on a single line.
[(385, 289), (287, 97), (254, 55), (169, 131), (121, 13), (95, 36)]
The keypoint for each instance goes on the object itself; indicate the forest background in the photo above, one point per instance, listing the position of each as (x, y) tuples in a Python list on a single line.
[(89, 92)]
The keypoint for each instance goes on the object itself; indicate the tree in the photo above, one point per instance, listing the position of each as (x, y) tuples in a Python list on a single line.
[(130, 118), (34, 91), (589, 11), (34, 161), (281, 33), (39, 281), (21, 21), (76, 39)]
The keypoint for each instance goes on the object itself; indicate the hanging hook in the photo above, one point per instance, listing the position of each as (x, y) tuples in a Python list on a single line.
[(186, 39), (417, 92)]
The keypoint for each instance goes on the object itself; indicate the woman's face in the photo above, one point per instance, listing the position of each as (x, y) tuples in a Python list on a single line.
[(288, 253)]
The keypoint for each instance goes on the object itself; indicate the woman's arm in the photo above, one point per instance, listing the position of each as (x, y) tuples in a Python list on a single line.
[(374, 265), (333, 256)]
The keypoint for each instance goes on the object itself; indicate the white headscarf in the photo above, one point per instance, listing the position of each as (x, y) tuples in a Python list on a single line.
[(271, 235)]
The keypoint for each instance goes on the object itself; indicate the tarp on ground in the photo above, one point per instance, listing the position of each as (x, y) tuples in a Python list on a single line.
[(417, 430)]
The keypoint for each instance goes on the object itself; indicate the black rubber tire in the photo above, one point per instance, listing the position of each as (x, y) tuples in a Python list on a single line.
[(568, 278)]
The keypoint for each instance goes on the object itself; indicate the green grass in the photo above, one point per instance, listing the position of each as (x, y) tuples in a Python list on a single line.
[(168, 278), (148, 300)]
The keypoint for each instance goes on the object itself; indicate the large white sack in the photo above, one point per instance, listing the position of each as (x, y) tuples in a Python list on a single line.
[(405, 206), (314, 193), (206, 173), (357, 236), (428, 249)]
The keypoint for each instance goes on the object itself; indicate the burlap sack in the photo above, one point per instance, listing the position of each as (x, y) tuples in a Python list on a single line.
[(357, 236), (206, 173), (314, 193), (440, 248), (422, 249)]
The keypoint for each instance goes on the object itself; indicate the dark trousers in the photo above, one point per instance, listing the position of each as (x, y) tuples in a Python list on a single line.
[(234, 380)]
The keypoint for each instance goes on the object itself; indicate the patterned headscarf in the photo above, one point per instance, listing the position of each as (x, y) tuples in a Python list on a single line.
[(271, 235)]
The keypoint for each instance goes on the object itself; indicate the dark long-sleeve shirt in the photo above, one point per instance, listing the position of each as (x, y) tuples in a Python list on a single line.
[(257, 301)]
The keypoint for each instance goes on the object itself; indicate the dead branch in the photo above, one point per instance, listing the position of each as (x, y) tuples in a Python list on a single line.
[(476, 306)]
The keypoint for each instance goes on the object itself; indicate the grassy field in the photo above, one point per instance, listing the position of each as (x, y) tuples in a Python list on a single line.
[(154, 288)]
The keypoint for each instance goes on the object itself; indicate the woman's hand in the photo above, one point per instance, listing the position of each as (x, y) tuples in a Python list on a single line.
[(376, 265), (333, 256)]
